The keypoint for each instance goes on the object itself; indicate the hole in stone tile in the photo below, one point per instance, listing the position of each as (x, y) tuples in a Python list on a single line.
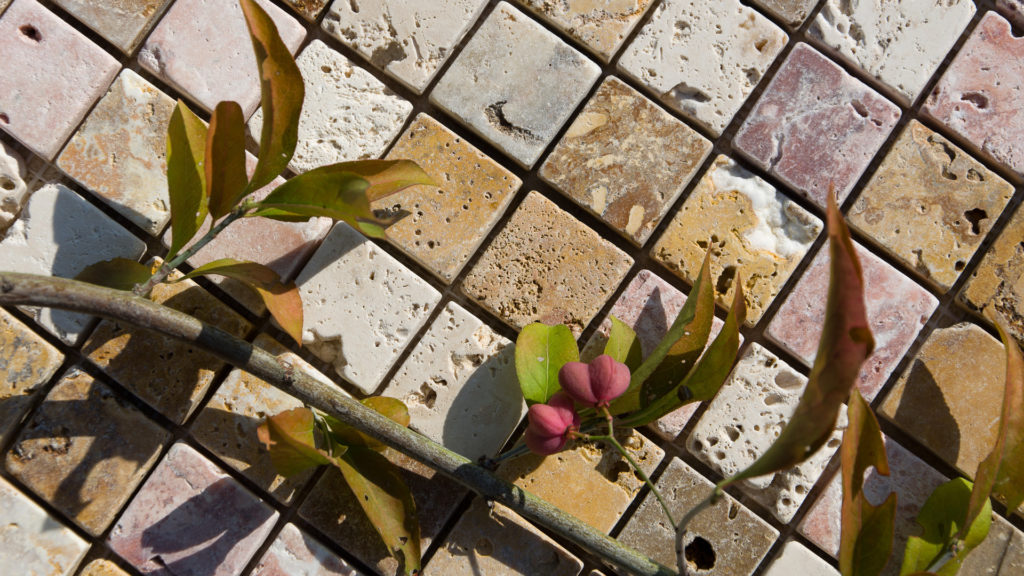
[(979, 100), (761, 44), (4, 118), (733, 433), (959, 266), (6, 183), (787, 380), (725, 279), (701, 554), (31, 32), (734, 510), (616, 469), (859, 108), (484, 547), (326, 69), (975, 217)]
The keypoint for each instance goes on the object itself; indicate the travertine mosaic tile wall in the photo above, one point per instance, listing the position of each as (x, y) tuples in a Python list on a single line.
[(588, 154)]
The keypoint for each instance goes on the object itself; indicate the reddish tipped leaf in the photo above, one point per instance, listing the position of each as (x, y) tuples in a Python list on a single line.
[(393, 408), (225, 159), (387, 177), (186, 187), (118, 273), (541, 351), (290, 437)]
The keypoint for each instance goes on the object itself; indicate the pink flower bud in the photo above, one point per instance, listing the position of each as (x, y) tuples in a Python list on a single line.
[(549, 424), (595, 384)]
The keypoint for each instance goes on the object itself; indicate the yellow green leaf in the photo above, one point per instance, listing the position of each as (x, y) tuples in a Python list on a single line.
[(225, 159), (386, 177), (186, 187), (623, 344), (118, 273), (291, 439), (940, 519), (541, 351)]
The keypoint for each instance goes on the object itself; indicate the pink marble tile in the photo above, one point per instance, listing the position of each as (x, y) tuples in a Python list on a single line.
[(191, 518), (981, 95), (50, 75), (815, 125), (295, 553), (897, 309)]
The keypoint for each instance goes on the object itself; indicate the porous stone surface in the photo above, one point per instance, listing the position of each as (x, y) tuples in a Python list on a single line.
[(603, 483), (546, 266), (408, 39), (170, 375), (930, 204), (447, 223), (738, 538), (119, 152), (815, 126), (121, 22), (897, 309), (58, 234), (753, 230), (600, 25), (951, 395), (102, 567), (84, 450), (493, 540), (13, 190), (26, 363), (295, 553), (792, 12), (1000, 554), (180, 52), (515, 84), (703, 57), (625, 160), (744, 420), (33, 541), (309, 9), (363, 306), (797, 559), (460, 385), (997, 285), (191, 518), (347, 114), (899, 43), (981, 95), (1013, 10), (50, 75)]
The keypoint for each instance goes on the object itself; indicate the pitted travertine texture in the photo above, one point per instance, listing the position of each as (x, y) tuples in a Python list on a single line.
[(460, 385), (703, 57), (361, 306), (738, 538), (930, 204), (119, 152), (997, 285), (309, 9), (448, 223), (203, 48), (515, 84), (295, 553), (85, 450), (33, 541), (347, 113), (793, 12), (753, 231), (899, 43), (102, 567), (744, 420), (815, 125), (50, 75), (625, 160), (122, 22), (981, 94), (1013, 10), (13, 190), (797, 560), (546, 266), (600, 25), (26, 363), (408, 39), (58, 234)]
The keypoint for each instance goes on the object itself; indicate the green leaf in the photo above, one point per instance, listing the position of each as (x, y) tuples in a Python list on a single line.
[(290, 438), (623, 344), (186, 156), (225, 159), (282, 92), (387, 502), (867, 531), (393, 408), (387, 177), (282, 299), (541, 351), (118, 273), (941, 518)]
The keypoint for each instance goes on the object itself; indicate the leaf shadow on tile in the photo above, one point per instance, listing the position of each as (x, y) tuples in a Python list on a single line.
[(467, 404), (923, 396)]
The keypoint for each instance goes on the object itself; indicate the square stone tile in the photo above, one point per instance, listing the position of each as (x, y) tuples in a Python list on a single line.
[(102, 567), (625, 160), (735, 537), (951, 396), (121, 22), (58, 234), (515, 84), (897, 309), (202, 47), (901, 44), (498, 542), (792, 12), (546, 266), (170, 375), (797, 559), (295, 553), (84, 451), (600, 26), (1013, 10), (49, 76), (26, 364), (33, 540), (703, 57), (119, 152), (753, 230), (347, 113), (13, 190), (981, 95), (361, 306), (1000, 554), (308, 9), (930, 204), (997, 284), (408, 39), (815, 125), (460, 385), (191, 518), (448, 223)]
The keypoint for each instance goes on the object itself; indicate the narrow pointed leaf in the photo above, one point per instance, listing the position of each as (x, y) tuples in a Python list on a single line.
[(118, 273), (186, 187), (326, 191), (541, 351), (941, 520), (290, 438), (282, 92), (623, 344), (225, 159), (393, 408), (387, 177)]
